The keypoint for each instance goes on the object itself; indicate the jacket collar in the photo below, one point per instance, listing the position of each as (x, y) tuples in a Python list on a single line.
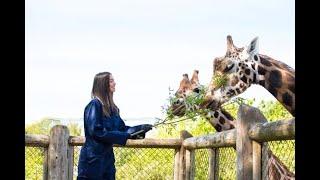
[(98, 99)]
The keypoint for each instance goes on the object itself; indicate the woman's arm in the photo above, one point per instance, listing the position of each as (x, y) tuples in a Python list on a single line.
[(93, 118)]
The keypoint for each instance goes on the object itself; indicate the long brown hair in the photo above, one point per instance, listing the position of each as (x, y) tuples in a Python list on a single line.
[(101, 90)]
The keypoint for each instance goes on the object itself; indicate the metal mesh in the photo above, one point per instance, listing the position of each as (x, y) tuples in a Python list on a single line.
[(282, 164), (201, 164), (227, 163), (139, 163), (34, 157), (76, 153)]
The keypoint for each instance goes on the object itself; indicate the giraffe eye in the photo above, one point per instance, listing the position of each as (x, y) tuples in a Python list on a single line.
[(229, 67)]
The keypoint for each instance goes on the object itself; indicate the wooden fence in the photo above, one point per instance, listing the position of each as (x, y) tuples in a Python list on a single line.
[(249, 138)]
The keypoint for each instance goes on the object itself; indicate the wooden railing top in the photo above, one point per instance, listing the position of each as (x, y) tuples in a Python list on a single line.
[(141, 143), (219, 139), (36, 140), (273, 131)]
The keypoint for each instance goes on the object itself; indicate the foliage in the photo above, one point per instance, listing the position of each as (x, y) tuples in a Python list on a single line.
[(273, 110), (220, 80), (44, 125)]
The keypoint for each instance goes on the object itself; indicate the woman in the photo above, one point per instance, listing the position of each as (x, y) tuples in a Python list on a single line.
[(104, 127)]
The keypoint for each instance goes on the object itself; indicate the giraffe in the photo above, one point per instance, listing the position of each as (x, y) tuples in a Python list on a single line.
[(221, 120), (243, 67)]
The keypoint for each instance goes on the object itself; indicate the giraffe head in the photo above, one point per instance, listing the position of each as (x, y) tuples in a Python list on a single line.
[(186, 88), (243, 67), (219, 119), (238, 67)]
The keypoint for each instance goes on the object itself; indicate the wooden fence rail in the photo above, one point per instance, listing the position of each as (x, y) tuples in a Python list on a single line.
[(248, 139)]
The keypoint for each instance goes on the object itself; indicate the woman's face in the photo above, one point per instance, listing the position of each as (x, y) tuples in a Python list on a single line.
[(112, 84)]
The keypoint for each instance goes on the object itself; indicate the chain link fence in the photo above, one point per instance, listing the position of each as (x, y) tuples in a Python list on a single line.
[(227, 163), (158, 163), (34, 158), (201, 164), (138, 163)]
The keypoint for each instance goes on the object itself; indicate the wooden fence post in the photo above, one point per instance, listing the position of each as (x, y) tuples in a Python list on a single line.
[(176, 164), (45, 164), (248, 152), (70, 156), (190, 164), (182, 157), (213, 164), (58, 165)]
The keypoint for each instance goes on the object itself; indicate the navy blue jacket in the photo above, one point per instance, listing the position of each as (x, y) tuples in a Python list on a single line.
[(96, 157)]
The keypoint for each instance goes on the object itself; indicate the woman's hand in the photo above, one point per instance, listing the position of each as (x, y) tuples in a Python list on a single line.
[(139, 132), (146, 127)]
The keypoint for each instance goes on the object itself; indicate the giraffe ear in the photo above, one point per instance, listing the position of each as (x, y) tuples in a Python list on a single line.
[(195, 78), (253, 47)]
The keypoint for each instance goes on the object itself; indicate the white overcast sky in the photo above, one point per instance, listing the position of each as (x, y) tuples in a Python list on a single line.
[(146, 44)]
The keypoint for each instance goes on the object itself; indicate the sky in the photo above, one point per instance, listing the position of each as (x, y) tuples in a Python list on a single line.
[(146, 45)]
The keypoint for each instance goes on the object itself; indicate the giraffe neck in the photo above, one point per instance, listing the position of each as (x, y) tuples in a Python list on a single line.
[(277, 170), (276, 77), (221, 120)]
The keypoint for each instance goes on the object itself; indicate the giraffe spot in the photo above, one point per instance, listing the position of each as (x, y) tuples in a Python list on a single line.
[(237, 69), (255, 57), (273, 91), (247, 71), (265, 62), (275, 78), (217, 127), (231, 91), (262, 83), (261, 70), (254, 77), (241, 85), (240, 64), (234, 81), (222, 120), (244, 79), (252, 65), (216, 114), (287, 99), (292, 88), (246, 60), (227, 115), (238, 90), (231, 126)]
